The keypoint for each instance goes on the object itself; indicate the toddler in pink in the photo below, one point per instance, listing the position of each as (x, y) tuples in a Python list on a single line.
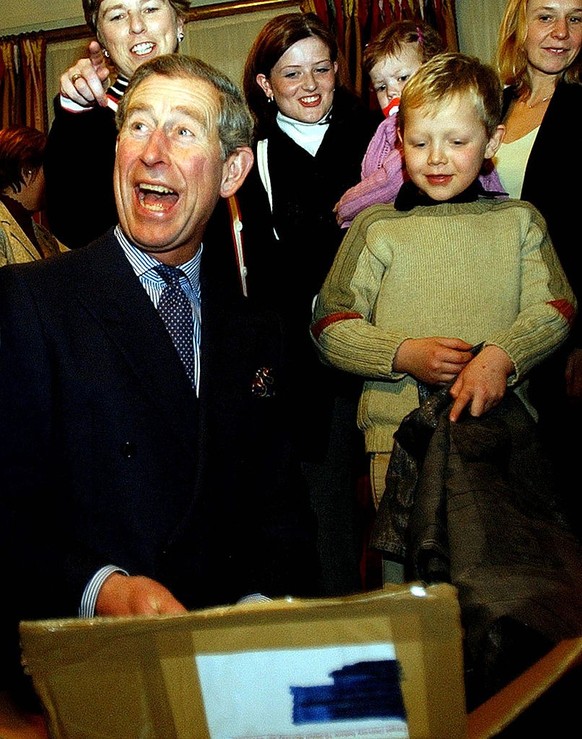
[(390, 60)]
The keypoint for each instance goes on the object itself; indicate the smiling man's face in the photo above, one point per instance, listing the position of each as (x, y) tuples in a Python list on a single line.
[(169, 171)]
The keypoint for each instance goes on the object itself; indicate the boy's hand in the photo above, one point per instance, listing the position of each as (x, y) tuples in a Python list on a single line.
[(434, 360), (482, 383)]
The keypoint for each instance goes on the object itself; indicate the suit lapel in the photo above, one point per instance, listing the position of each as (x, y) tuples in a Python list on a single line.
[(112, 293)]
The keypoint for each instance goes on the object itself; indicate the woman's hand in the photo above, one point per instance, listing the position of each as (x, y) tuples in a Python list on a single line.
[(86, 82)]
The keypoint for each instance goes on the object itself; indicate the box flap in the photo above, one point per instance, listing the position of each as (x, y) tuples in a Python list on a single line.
[(207, 673)]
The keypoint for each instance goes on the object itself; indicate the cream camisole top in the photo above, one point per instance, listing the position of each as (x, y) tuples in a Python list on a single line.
[(511, 161)]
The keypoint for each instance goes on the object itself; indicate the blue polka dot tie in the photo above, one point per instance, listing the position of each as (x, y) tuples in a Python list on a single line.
[(176, 312)]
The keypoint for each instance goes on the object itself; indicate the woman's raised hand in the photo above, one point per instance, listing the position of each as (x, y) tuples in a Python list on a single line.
[(86, 82)]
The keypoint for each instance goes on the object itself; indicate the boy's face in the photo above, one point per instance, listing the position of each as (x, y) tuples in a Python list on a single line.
[(444, 147)]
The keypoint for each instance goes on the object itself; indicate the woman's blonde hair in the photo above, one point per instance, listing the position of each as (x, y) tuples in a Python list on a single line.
[(511, 57)]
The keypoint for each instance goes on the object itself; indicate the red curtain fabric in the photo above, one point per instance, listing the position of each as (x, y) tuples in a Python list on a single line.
[(355, 22), (23, 81)]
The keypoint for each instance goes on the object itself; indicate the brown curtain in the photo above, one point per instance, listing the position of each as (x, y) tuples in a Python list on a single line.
[(23, 81), (8, 84), (355, 22)]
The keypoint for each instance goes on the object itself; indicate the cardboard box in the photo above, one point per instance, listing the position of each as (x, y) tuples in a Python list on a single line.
[(511, 703), (381, 664)]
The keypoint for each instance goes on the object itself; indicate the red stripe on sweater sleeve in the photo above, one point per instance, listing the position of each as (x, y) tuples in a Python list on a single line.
[(565, 308), (318, 327)]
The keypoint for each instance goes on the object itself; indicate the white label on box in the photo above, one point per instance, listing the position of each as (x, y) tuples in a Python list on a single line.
[(347, 691)]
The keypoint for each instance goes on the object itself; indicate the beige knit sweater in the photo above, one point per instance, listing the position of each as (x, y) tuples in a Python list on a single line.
[(483, 271), (15, 246)]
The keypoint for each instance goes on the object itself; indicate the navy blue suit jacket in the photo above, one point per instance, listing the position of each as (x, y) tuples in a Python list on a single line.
[(107, 457)]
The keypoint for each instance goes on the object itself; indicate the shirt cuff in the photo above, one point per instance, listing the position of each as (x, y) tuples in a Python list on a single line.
[(72, 107), (254, 598), (89, 599)]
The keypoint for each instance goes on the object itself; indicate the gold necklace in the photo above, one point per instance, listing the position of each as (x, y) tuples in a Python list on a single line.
[(538, 102)]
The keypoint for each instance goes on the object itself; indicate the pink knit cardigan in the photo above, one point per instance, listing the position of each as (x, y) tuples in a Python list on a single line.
[(383, 174)]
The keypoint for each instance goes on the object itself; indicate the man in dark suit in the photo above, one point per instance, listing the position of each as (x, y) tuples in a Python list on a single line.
[(126, 485)]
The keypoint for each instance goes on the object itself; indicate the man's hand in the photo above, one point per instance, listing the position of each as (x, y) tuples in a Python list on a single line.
[(86, 81), (121, 595), (482, 383)]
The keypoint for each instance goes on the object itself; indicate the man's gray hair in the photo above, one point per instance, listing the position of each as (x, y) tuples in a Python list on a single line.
[(234, 122)]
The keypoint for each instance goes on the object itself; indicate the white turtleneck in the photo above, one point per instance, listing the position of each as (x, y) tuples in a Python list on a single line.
[(307, 135)]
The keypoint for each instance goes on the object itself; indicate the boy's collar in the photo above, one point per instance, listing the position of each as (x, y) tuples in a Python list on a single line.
[(409, 196)]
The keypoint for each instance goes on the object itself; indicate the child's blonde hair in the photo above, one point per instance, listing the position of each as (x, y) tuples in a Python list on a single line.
[(449, 74)]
